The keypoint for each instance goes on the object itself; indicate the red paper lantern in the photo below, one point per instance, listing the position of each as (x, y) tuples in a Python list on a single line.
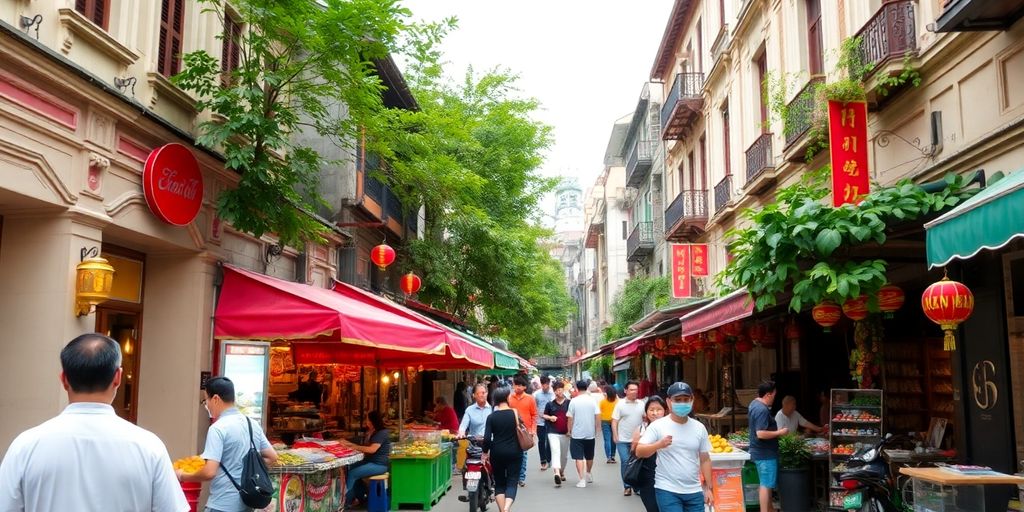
[(947, 303), (579, 353), (890, 299), (856, 309), (744, 345), (758, 333), (382, 256), (732, 329), (660, 343), (827, 314), (411, 283)]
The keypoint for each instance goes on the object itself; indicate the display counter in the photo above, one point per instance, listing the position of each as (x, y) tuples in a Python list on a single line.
[(318, 487), (420, 479), (942, 490), (727, 473)]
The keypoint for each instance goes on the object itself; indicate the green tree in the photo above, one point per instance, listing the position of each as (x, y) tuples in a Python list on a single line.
[(631, 303), (299, 61)]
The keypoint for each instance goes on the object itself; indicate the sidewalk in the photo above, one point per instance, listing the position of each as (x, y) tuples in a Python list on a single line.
[(540, 493)]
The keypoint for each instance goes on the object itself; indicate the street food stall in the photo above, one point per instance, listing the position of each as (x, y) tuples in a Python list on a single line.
[(351, 347)]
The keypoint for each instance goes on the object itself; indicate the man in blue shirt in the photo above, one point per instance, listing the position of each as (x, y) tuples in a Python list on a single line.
[(227, 442), (475, 419), (543, 396), (764, 441)]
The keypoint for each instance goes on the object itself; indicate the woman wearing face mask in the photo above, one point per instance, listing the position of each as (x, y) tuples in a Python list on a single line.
[(654, 410), (684, 455), (376, 449)]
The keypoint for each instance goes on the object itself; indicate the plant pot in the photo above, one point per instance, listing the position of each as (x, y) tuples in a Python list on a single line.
[(794, 490)]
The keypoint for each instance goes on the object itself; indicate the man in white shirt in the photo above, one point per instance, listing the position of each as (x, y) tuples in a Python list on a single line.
[(584, 418), (788, 417), (684, 455), (626, 418), (88, 459)]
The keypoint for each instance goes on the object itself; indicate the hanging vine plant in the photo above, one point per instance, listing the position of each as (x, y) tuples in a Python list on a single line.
[(801, 245)]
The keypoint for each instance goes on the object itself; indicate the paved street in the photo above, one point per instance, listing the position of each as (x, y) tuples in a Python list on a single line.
[(540, 493)]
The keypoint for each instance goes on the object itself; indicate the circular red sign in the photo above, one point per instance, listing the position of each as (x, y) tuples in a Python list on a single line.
[(173, 184)]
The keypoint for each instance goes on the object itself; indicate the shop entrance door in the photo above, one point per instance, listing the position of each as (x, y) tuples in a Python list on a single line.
[(125, 326)]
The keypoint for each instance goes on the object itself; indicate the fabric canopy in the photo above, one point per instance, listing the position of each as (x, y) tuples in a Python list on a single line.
[(735, 306), (255, 306), (989, 220), (633, 346)]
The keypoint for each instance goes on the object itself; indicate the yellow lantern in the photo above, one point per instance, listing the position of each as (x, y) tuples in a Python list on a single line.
[(94, 278)]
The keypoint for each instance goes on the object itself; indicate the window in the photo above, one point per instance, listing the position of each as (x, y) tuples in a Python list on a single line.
[(229, 54), (682, 178), (693, 171), (96, 11), (172, 13), (700, 48), (762, 71), (703, 163), (721, 13), (625, 229), (725, 138), (816, 63)]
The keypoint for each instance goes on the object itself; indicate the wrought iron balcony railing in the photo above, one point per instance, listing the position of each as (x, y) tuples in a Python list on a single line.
[(640, 242), (889, 34), (759, 157), (723, 192), (641, 156)]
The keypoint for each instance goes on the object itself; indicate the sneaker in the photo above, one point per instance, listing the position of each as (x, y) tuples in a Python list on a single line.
[(558, 480), (543, 466), (590, 478), (581, 484)]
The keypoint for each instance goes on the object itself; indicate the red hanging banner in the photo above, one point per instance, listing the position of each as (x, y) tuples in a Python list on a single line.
[(681, 282), (848, 147), (699, 260)]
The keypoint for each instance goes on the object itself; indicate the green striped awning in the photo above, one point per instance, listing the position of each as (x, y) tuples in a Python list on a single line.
[(989, 220), (502, 360)]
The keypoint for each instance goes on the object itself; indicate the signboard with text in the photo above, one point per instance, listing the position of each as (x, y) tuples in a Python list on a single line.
[(848, 148), (681, 277), (699, 260), (172, 184)]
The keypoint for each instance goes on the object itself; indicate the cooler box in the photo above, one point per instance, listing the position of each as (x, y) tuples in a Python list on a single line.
[(727, 484)]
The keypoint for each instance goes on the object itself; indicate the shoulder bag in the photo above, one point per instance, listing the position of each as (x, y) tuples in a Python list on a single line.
[(524, 436)]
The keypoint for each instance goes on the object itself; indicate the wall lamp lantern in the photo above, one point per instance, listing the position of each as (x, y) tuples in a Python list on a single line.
[(93, 280)]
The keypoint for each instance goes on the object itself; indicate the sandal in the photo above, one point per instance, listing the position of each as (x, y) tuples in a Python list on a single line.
[(627, 492)]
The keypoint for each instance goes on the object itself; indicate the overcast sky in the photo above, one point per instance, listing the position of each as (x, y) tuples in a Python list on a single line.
[(586, 61)]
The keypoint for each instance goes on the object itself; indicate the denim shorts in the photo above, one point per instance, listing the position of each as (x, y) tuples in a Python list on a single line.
[(767, 471)]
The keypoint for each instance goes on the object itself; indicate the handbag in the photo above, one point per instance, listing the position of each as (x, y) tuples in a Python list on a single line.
[(524, 436), (632, 474)]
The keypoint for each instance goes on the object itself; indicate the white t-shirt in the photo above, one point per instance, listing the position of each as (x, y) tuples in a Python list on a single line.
[(679, 463), (583, 411), (791, 422), (89, 460), (630, 416)]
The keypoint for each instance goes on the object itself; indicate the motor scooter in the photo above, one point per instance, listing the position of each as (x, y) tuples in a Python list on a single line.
[(476, 478), (868, 480)]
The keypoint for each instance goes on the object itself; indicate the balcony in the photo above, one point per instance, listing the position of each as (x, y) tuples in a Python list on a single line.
[(979, 15), (683, 106), (886, 39), (640, 243), (723, 194), (687, 215), (760, 165), (594, 232), (805, 111), (639, 163), (722, 43)]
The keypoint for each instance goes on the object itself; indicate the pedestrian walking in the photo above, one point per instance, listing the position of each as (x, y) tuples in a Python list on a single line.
[(607, 407), (764, 441), (654, 409), (501, 444), (584, 419), (87, 459), (558, 431), (543, 397), (526, 406), (627, 416), (684, 455), (227, 442)]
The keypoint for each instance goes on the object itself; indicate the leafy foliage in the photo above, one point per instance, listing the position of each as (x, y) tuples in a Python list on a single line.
[(800, 245), (633, 301), (299, 62), (600, 366), (793, 452)]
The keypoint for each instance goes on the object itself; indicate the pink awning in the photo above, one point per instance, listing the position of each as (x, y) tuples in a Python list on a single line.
[(735, 306), (255, 306)]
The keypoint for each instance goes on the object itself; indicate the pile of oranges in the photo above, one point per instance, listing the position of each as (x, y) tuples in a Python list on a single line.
[(190, 464)]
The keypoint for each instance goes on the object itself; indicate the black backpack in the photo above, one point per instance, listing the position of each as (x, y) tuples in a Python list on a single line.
[(256, 489)]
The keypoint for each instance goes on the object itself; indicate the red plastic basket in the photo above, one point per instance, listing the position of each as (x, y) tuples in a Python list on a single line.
[(192, 491)]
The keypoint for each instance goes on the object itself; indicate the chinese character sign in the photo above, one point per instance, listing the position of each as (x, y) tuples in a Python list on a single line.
[(681, 282), (699, 260), (848, 145)]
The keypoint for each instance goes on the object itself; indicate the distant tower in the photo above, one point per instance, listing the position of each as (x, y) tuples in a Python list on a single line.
[(568, 209)]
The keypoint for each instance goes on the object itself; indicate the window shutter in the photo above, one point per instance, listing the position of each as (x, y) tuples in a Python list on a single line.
[(94, 10), (98, 12), (229, 55), (169, 51)]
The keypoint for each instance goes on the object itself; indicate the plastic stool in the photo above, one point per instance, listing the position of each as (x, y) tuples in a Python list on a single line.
[(377, 494)]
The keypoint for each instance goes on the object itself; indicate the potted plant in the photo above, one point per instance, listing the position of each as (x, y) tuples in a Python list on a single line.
[(794, 474)]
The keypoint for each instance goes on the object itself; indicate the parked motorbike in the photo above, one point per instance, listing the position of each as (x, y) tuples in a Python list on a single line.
[(869, 482), (476, 478)]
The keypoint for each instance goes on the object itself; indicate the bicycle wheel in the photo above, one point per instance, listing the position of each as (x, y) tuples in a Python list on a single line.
[(907, 494)]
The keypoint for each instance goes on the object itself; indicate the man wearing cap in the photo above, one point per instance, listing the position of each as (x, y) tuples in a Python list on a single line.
[(684, 455)]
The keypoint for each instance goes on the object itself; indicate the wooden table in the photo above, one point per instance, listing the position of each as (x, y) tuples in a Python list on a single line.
[(944, 477)]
